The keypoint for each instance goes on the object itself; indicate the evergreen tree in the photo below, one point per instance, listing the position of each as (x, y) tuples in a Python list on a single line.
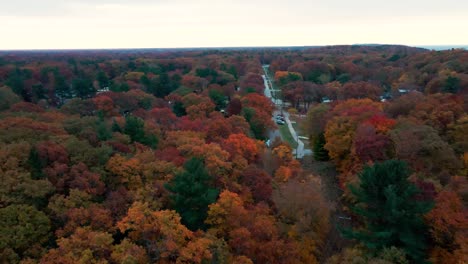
[(134, 127), (116, 127), (103, 132), (391, 214), (320, 153), (102, 79), (36, 164), (83, 88), (218, 98), (179, 109), (452, 85), (192, 192)]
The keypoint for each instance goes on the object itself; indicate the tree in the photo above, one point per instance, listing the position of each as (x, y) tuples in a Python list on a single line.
[(368, 145), (316, 120), (83, 88), (21, 228), (84, 246), (7, 98), (448, 222), (134, 127), (218, 98), (259, 183), (102, 79), (160, 232), (308, 222), (423, 149), (385, 200), (320, 153), (452, 84), (234, 107), (192, 193)]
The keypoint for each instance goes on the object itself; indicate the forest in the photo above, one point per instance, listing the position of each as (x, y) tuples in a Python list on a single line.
[(160, 156)]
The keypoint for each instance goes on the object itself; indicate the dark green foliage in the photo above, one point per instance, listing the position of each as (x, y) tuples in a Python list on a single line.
[(250, 90), (343, 78), (257, 126), (452, 85), (385, 199), (179, 109), (83, 88), (207, 73), (232, 70), (320, 153), (102, 79), (161, 85), (7, 98), (289, 78), (16, 81), (119, 87), (116, 127), (192, 192), (135, 128), (103, 132), (151, 141), (21, 226), (38, 91), (36, 164), (395, 57), (218, 98), (62, 89)]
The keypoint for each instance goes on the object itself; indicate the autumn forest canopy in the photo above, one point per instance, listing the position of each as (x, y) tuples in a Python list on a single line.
[(170, 156)]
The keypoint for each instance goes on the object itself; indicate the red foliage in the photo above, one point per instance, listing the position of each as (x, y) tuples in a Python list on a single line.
[(170, 154), (26, 107), (259, 183)]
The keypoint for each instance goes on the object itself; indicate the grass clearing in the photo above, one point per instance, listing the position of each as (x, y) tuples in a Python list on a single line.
[(286, 135)]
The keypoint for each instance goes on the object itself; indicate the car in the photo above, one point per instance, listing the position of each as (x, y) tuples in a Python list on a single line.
[(280, 122), (281, 118)]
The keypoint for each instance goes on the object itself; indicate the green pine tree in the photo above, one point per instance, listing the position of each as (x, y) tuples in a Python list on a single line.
[(36, 164), (192, 192), (116, 127), (320, 153), (103, 132), (134, 128), (179, 109), (385, 199)]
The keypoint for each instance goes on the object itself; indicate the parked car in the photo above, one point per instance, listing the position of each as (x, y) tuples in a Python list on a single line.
[(280, 118), (280, 122)]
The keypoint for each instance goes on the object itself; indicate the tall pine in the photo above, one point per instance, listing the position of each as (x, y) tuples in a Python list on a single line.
[(385, 200), (192, 192), (320, 152)]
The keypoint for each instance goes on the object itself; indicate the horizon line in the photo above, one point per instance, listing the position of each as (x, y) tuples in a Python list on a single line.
[(426, 46)]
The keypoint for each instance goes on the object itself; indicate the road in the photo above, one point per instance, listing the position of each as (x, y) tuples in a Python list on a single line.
[(299, 151)]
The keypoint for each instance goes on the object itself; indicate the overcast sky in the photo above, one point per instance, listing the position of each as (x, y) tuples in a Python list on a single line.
[(69, 24)]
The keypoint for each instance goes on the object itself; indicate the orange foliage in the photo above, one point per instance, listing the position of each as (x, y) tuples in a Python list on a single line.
[(160, 231), (243, 146)]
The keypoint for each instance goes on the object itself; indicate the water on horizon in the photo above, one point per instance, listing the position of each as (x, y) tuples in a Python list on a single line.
[(444, 47)]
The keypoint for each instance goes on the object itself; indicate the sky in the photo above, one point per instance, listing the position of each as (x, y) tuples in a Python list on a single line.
[(109, 24)]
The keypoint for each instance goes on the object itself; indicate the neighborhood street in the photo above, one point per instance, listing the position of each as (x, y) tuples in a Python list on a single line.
[(299, 151)]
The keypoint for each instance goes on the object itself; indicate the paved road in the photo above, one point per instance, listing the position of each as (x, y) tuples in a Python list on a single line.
[(299, 151)]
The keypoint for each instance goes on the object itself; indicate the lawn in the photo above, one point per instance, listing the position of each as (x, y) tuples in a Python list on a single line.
[(286, 136)]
